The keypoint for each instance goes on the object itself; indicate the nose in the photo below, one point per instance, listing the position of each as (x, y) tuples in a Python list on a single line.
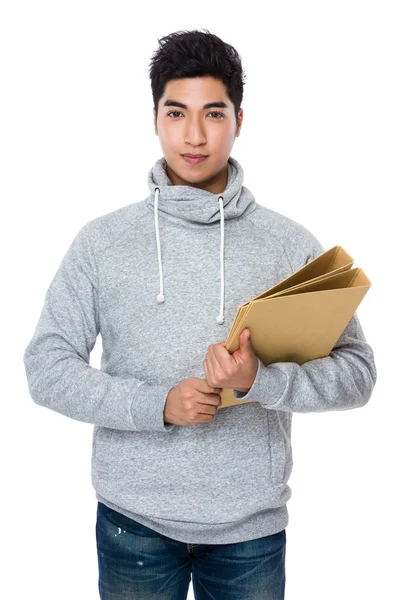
[(195, 133)]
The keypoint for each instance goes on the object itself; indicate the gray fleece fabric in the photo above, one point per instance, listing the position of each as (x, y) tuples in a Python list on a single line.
[(220, 482)]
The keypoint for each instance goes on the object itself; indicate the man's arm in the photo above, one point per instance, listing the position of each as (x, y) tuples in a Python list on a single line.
[(57, 357), (345, 379)]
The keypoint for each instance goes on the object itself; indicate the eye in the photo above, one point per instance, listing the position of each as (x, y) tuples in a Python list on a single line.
[(172, 112), (218, 118)]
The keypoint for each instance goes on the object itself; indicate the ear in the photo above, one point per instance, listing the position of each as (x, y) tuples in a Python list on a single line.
[(239, 122), (155, 120)]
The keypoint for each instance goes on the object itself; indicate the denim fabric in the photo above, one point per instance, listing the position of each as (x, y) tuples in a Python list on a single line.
[(136, 562)]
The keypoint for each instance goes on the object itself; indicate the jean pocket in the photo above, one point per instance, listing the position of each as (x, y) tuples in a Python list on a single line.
[(122, 522)]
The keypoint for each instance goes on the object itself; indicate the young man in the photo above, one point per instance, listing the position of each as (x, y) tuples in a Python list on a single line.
[(182, 487)]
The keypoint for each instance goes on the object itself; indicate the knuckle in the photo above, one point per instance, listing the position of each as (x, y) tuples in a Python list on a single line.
[(188, 405), (228, 372)]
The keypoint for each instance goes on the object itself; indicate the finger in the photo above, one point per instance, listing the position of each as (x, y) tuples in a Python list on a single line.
[(221, 357), (203, 386), (208, 371)]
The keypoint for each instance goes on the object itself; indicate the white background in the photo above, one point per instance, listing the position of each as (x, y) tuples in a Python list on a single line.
[(329, 138)]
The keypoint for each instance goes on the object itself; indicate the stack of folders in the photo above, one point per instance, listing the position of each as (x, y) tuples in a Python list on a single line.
[(302, 317)]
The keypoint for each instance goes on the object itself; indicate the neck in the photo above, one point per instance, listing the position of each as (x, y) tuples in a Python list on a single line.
[(215, 184)]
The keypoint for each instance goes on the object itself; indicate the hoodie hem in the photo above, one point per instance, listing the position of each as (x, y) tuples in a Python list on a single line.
[(262, 524)]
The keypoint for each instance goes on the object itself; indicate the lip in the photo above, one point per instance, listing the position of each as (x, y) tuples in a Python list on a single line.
[(193, 160)]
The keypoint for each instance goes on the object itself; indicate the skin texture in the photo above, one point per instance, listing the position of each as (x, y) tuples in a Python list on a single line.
[(231, 371), (211, 131), (197, 131)]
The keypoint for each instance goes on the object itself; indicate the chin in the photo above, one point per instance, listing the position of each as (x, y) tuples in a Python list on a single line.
[(192, 172)]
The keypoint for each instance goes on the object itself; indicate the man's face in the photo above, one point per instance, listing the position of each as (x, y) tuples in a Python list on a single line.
[(197, 130)]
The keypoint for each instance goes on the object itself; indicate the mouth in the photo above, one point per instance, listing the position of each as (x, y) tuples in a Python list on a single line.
[(194, 159)]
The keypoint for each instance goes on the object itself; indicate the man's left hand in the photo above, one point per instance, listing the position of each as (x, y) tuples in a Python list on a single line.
[(231, 371)]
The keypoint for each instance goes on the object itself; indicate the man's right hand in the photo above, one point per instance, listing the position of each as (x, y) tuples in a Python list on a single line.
[(192, 401)]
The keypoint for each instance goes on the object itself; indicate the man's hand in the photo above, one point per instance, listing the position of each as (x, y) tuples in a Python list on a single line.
[(231, 371), (191, 401)]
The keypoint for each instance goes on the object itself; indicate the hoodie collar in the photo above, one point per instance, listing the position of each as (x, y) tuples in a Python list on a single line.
[(195, 207)]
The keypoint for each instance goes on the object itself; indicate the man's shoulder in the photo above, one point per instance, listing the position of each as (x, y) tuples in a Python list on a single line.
[(276, 222), (282, 226), (105, 229), (297, 240)]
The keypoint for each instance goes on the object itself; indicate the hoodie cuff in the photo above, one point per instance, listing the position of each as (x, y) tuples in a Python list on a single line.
[(268, 385), (147, 408)]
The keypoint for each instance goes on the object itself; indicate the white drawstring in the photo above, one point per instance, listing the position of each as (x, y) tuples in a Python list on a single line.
[(160, 298), (220, 318)]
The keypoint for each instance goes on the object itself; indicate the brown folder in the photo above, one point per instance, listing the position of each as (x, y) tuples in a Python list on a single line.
[(301, 317)]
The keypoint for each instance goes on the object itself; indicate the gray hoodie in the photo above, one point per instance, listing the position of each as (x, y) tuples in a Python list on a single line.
[(160, 280)]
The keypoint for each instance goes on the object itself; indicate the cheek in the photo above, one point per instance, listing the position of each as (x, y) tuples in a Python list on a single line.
[(164, 135), (221, 133), (169, 136), (223, 137)]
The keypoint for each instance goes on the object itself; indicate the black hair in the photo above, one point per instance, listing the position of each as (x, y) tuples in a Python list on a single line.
[(196, 54)]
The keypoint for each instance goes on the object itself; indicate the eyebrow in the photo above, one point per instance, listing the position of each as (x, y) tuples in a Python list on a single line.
[(209, 105)]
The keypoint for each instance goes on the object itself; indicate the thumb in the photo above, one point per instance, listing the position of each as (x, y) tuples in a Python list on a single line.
[(245, 338)]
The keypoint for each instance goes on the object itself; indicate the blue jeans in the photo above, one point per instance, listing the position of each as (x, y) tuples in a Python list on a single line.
[(138, 563)]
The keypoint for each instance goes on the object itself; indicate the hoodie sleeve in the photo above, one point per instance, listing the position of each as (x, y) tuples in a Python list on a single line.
[(343, 380), (57, 358)]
